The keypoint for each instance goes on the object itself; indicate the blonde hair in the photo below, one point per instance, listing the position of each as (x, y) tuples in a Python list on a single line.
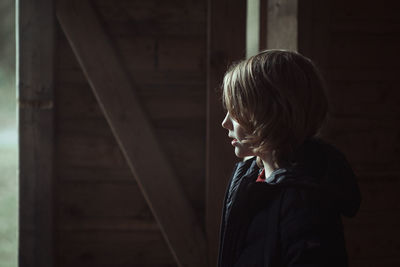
[(279, 98)]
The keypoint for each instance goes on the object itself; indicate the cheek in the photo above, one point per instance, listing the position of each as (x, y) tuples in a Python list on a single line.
[(240, 133), (238, 130)]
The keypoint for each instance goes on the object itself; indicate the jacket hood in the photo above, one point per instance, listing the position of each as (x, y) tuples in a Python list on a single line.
[(321, 166)]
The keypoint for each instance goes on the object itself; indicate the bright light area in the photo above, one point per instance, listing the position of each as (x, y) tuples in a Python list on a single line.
[(8, 138)]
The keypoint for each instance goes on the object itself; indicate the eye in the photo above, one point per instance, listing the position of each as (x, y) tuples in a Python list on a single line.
[(232, 118)]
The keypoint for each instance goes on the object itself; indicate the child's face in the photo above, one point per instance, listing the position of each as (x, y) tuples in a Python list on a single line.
[(238, 133)]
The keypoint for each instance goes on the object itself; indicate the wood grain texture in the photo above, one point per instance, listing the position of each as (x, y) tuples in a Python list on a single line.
[(115, 94), (159, 102), (282, 24), (85, 203), (154, 17), (263, 24), (36, 132), (131, 248)]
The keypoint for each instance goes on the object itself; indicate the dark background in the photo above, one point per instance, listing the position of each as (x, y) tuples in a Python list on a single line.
[(176, 52)]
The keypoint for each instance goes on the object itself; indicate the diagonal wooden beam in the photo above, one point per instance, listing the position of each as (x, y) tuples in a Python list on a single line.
[(135, 136)]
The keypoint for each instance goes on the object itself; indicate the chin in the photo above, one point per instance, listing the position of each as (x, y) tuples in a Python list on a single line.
[(242, 154)]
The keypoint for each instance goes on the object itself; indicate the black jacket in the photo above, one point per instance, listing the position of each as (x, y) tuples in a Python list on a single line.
[(294, 218)]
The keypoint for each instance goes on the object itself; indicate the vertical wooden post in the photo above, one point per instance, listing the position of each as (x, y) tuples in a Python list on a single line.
[(252, 27), (305, 27), (313, 36), (226, 43), (263, 24), (35, 48), (282, 24)]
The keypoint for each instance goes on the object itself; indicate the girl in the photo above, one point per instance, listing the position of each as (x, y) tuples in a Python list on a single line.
[(283, 205)]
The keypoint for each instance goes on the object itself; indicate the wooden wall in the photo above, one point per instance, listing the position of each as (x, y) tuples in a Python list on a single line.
[(102, 218), (357, 45)]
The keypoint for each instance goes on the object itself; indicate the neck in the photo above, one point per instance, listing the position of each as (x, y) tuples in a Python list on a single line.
[(269, 166)]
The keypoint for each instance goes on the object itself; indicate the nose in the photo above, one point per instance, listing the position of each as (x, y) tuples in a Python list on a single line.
[(225, 122)]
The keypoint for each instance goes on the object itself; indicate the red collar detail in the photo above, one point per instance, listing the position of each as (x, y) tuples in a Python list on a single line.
[(261, 176)]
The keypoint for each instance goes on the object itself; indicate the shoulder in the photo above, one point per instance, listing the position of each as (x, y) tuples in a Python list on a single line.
[(302, 210), (309, 231), (296, 196)]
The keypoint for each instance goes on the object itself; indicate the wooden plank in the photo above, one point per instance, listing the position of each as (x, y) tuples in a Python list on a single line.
[(282, 24), (313, 31), (160, 102), (89, 150), (176, 53), (373, 262), (373, 241), (226, 43), (68, 70), (154, 28), (154, 10), (367, 143), (373, 198), (110, 224), (305, 11), (355, 46), (357, 74), (88, 153), (144, 78), (368, 27), (92, 136), (131, 248), (92, 174), (36, 111), (82, 201), (373, 218), (182, 54), (361, 10), (153, 18), (321, 35), (263, 24), (114, 92), (351, 97)]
